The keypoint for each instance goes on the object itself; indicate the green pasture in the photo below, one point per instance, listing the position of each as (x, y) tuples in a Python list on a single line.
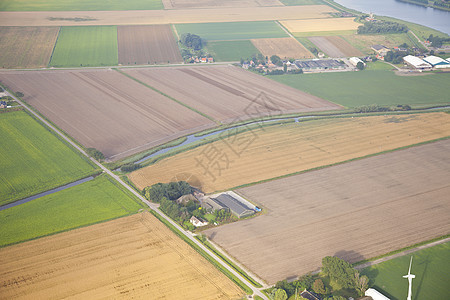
[(75, 5), (231, 50), (88, 203), (82, 46), (431, 267), (33, 159), (233, 30), (382, 87), (301, 2)]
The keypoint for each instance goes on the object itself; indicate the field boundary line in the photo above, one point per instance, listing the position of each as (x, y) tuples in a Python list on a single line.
[(164, 94), (407, 251), (54, 46)]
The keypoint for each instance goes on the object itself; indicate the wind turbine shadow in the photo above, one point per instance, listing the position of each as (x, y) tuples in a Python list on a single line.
[(426, 261)]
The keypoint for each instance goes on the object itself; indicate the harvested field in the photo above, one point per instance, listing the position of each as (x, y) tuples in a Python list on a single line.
[(283, 47), (133, 257), (65, 5), (147, 45), (355, 211), (186, 4), (278, 150), (26, 47), (227, 93), (330, 24), (105, 110), (335, 46), (173, 16)]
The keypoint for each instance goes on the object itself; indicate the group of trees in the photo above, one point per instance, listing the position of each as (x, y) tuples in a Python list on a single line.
[(95, 153), (437, 41), (191, 41), (380, 27), (171, 191), (336, 269)]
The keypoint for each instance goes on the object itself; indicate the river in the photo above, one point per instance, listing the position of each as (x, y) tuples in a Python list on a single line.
[(430, 17)]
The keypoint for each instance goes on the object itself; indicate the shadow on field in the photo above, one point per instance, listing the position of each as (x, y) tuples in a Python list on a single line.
[(426, 261)]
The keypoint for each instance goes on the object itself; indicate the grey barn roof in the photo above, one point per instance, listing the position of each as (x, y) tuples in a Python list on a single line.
[(234, 205)]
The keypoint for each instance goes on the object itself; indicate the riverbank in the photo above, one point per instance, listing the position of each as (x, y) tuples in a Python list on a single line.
[(434, 4)]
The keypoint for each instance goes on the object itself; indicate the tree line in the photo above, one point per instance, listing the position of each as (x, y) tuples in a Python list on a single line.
[(380, 27)]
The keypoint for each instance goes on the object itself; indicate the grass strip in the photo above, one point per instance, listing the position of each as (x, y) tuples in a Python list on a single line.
[(229, 262), (164, 94), (227, 273)]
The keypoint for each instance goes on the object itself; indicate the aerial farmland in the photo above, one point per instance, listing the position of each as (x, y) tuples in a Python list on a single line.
[(206, 149)]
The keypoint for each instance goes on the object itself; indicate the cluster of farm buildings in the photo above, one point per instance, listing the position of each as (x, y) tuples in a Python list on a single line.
[(427, 63), (228, 201)]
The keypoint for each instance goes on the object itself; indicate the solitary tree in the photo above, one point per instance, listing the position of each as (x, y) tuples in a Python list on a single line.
[(279, 294), (19, 94)]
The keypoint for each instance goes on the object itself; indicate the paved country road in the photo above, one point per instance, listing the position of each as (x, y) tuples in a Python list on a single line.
[(152, 206)]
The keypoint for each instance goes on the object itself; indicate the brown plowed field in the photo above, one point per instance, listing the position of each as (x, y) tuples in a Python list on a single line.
[(186, 4), (285, 149), (312, 25), (355, 211), (134, 257), (335, 46), (283, 47), (172, 16), (105, 109), (228, 93), (147, 45), (26, 47)]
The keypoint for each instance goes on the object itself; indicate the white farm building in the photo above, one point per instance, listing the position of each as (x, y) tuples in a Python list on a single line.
[(417, 63), (437, 62), (355, 60), (376, 295)]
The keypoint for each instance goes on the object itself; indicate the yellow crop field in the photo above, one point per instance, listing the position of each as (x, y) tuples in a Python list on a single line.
[(167, 16), (313, 25), (278, 150), (135, 257), (283, 47)]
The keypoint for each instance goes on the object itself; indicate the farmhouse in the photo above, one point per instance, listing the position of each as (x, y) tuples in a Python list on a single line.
[(376, 295), (198, 222), (437, 62), (417, 63), (380, 49), (227, 202)]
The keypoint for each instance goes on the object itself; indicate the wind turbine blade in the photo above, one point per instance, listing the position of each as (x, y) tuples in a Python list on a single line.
[(410, 263)]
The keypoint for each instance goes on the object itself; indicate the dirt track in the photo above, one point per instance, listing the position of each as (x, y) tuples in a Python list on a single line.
[(134, 257), (355, 211), (228, 93), (334, 46), (147, 45), (175, 16), (105, 110)]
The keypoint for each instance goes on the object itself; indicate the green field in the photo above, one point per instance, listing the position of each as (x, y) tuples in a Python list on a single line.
[(64, 5), (90, 202), (34, 160), (431, 267), (233, 30), (82, 46), (301, 2), (231, 50), (382, 87)]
